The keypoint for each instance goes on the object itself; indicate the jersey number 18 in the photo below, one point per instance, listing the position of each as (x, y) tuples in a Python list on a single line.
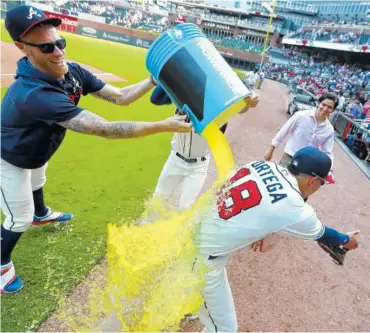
[(239, 197)]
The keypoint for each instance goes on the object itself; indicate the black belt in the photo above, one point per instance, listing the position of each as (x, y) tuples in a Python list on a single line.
[(190, 160)]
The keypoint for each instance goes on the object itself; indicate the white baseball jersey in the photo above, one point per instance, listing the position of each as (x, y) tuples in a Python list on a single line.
[(260, 199), (190, 145)]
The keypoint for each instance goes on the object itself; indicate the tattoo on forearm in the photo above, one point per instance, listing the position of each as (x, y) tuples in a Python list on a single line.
[(90, 123), (107, 98)]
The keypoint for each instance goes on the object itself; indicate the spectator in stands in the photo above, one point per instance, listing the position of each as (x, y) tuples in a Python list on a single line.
[(341, 101), (366, 108), (360, 147), (354, 109), (307, 128), (362, 98), (365, 82)]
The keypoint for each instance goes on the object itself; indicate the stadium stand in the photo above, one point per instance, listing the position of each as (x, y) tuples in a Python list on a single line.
[(117, 15), (326, 35)]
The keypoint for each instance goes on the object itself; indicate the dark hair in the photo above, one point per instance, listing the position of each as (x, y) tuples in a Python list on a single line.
[(331, 96)]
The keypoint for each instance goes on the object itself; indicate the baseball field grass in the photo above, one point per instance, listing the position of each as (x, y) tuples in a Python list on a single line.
[(100, 181)]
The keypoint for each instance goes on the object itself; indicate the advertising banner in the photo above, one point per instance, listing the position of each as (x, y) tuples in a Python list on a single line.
[(69, 23), (114, 37), (214, 25), (88, 31)]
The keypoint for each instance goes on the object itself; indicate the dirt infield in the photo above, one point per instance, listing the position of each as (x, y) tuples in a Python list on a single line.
[(295, 287), (10, 54)]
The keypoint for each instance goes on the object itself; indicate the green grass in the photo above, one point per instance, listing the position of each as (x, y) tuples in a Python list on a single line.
[(100, 181)]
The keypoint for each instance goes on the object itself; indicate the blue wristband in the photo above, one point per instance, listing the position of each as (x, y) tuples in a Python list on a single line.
[(332, 237)]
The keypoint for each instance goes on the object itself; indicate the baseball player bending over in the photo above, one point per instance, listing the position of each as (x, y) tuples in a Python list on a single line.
[(36, 111), (189, 159), (261, 198)]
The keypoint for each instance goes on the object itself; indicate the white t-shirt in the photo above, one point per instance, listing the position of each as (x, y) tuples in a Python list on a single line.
[(251, 78), (341, 101), (265, 199)]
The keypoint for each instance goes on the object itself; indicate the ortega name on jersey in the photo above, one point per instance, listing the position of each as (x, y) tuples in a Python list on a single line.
[(272, 184)]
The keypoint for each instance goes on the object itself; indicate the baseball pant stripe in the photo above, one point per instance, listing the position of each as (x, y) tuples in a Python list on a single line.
[(16, 186), (205, 305), (10, 212)]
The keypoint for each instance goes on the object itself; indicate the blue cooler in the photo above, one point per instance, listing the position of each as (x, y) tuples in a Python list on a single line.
[(196, 77)]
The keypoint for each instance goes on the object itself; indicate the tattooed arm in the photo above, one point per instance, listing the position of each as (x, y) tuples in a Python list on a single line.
[(126, 95), (89, 123)]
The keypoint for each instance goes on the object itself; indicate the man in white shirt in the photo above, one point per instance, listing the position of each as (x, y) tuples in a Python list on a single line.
[(260, 199), (341, 101), (310, 128), (252, 77), (261, 78)]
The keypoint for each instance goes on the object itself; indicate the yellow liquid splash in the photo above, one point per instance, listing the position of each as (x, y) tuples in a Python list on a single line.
[(152, 280)]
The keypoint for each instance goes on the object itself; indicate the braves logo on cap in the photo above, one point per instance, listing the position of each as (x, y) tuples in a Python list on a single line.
[(33, 12), (21, 20)]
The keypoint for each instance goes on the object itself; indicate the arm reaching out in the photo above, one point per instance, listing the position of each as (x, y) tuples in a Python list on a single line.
[(126, 95), (89, 123)]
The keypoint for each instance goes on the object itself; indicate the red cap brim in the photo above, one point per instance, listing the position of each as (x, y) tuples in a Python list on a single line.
[(56, 22), (330, 179)]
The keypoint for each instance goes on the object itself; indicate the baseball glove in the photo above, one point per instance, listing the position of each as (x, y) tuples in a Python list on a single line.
[(338, 253)]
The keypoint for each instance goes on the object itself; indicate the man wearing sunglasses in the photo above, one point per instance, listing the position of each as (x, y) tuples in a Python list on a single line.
[(36, 111), (260, 199)]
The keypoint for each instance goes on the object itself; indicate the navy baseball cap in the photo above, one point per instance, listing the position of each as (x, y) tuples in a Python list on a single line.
[(312, 162), (159, 97), (20, 20)]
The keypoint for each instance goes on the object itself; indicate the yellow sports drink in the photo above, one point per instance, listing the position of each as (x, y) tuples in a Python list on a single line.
[(151, 267)]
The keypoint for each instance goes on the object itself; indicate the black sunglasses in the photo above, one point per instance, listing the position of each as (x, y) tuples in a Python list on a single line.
[(49, 47)]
